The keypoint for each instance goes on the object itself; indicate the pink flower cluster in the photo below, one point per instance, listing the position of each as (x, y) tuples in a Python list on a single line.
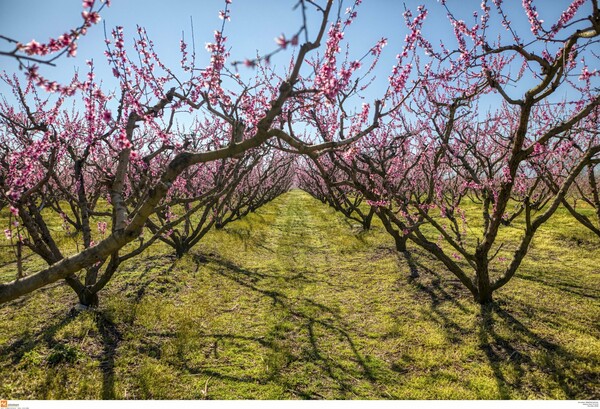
[(567, 15), (532, 15), (122, 140), (377, 48), (211, 76), (378, 203), (586, 74), (283, 42), (25, 168), (326, 79), (401, 72), (36, 78), (66, 40), (102, 228)]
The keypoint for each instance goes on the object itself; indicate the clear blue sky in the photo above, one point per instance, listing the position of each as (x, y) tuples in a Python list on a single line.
[(254, 26)]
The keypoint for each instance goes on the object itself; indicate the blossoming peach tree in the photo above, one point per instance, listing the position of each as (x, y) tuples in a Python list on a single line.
[(456, 125), (444, 150), (121, 171)]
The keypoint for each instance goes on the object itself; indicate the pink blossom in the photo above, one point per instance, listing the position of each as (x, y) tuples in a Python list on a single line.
[(91, 17), (102, 227), (567, 15), (376, 50), (106, 116), (532, 15), (281, 41), (33, 47), (224, 15)]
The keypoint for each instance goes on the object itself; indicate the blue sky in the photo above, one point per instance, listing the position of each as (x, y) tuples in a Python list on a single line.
[(254, 25)]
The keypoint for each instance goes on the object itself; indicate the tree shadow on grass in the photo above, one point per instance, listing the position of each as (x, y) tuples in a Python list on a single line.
[(526, 352), (110, 338), (438, 291), (320, 323), (155, 270), (63, 352), (16, 350), (520, 359), (413, 267), (436, 287), (563, 285)]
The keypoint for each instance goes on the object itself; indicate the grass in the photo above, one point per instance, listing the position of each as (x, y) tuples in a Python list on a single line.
[(295, 302)]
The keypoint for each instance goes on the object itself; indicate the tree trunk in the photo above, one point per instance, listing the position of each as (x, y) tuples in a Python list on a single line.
[(484, 286), (414, 271), (368, 219), (181, 250), (399, 239), (595, 193), (87, 297), (400, 242), (484, 296)]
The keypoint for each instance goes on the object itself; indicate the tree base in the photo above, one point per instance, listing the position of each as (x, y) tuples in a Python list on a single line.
[(80, 307), (486, 300), (88, 299)]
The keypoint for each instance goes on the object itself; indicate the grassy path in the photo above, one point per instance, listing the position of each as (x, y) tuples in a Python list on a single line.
[(294, 302)]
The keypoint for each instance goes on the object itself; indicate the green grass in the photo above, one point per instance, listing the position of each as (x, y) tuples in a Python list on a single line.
[(295, 302)]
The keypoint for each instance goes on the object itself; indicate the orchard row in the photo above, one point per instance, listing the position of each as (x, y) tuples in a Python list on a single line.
[(492, 119)]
